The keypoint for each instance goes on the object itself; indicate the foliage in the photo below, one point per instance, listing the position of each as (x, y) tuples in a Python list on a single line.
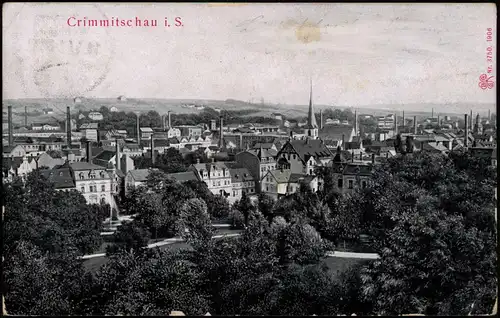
[(130, 235), (245, 206), (236, 219), (265, 206)]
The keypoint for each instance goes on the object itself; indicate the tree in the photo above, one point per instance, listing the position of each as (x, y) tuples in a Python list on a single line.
[(245, 206), (439, 254), (194, 224), (265, 206), (130, 235)]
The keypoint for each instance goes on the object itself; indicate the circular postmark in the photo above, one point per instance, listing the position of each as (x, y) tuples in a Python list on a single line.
[(68, 61)]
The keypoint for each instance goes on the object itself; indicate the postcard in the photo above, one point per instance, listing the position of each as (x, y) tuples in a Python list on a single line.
[(249, 158)]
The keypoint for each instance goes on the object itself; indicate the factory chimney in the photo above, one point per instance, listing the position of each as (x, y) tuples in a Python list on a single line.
[(489, 115), (470, 121), (343, 141), (11, 131), (415, 125), (68, 127), (138, 129), (26, 116), (320, 119), (439, 123), (89, 151), (221, 133), (404, 123), (466, 138), (395, 123), (356, 123), (118, 156), (153, 159), (169, 119)]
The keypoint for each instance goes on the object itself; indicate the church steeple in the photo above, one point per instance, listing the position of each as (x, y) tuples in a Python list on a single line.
[(311, 129), (311, 120)]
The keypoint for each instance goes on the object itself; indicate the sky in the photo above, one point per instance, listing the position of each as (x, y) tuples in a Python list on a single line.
[(355, 54)]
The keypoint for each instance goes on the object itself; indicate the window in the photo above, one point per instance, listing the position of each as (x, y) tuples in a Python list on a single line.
[(267, 188), (81, 175), (234, 193), (60, 173), (363, 184), (340, 183), (351, 184), (251, 190), (288, 156), (310, 171), (82, 189), (294, 157), (103, 188)]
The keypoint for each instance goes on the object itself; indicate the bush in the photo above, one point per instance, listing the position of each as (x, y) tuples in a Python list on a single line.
[(236, 219)]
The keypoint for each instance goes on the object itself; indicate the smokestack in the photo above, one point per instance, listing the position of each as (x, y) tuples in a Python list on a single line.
[(489, 115), (415, 125), (169, 120), (241, 141), (466, 138), (26, 116), (68, 127), (118, 156), (404, 123), (432, 114), (320, 119), (138, 129), (343, 141), (438, 121), (373, 158), (221, 132), (89, 151), (355, 123), (11, 131), (153, 159), (163, 126), (352, 156), (470, 120), (395, 123)]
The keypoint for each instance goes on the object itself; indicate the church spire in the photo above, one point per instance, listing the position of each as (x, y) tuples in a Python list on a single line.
[(311, 120)]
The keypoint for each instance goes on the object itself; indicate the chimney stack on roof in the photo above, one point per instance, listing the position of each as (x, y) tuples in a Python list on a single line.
[(138, 130), (68, 127), (373, 158), (221, 132), (415, 125), (169, 119)]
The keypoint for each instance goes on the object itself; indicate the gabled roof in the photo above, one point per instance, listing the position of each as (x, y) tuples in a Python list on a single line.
[(315, 148), (281, 176), (434, 147), (335, 132), (82, 165), (89, 126), (183, 176), (298, 177), (146, 129), (105, 155), (263, 153), (61, 177), (240, 175), (140, 175), (265, 145)]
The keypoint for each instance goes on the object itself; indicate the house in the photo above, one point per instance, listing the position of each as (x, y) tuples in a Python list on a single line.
[(283, 182), (116, 134), (243, 182), (489, 153), (107, 156), (173, 132), (95, 116), (190, 130), (96, 183), (122, 98), (146, 132), (62, 178), (347, 176), (77, 100), (45, 160), (216, 175), (135, 178), (17, 166), (265, 146), (183, 176), (13, 151), (338, 133), (48, 111), (89, 131), (258, 162), (277, 116), (301, 156), (113, 109), (45, 126)]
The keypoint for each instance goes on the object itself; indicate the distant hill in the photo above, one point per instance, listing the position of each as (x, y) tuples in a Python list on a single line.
[(266, 109)]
